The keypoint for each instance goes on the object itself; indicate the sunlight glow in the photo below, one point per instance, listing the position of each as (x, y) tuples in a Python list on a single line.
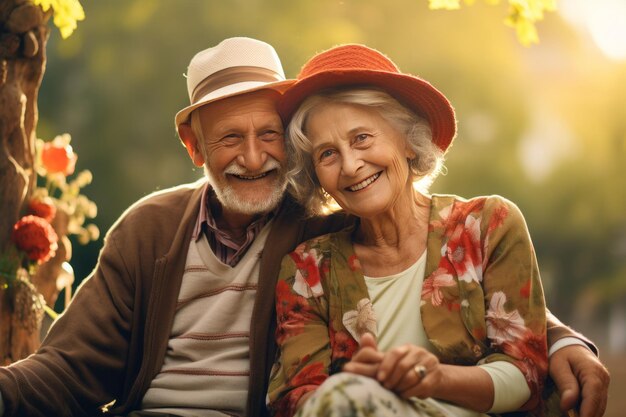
[(604, 19)]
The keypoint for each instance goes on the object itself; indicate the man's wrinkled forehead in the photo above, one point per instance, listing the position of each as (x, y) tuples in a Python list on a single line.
[(258, 106)]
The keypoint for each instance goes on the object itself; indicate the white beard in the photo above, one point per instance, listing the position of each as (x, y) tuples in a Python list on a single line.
[(231, 200)]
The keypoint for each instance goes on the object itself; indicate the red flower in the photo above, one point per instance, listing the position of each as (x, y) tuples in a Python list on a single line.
[(308, 278), (353, 263), (343, 345), (43, 208), (58, 158), (457, 214), (464, 250), (36, 237), (291, 310), (497, 218), (531, 352), (525, 290), (313, 374)]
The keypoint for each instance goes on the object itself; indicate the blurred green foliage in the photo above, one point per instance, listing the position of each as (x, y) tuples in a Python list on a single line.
[(544, 126)]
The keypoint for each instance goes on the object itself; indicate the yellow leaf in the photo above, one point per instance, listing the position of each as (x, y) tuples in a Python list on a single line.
[(523, 14), (66, 14), (444, 4)]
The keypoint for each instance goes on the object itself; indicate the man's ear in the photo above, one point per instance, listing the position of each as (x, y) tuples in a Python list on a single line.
[(191, 143)]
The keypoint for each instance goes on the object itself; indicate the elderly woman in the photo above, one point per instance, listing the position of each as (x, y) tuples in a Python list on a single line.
[(431, 305)]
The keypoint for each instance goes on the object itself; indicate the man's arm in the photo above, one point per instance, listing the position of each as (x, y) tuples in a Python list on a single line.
[(81, 362), (577, 372)]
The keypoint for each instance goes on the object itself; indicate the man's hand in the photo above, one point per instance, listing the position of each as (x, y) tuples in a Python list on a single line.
[(574, 369)]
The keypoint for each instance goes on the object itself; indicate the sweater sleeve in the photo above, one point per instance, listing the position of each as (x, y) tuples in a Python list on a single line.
[(557, 331), (80, 364)]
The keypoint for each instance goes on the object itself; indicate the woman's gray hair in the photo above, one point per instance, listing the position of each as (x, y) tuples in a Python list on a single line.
[(303, 182)]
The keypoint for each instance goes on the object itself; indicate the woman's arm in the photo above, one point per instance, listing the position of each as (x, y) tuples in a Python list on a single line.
[(515, 311), (302, 333)]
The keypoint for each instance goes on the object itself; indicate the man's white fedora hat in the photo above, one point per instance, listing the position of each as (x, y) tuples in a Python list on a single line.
[(235, 66)]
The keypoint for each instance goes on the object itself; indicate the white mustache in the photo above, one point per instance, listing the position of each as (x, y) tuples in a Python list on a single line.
[(235, 169)]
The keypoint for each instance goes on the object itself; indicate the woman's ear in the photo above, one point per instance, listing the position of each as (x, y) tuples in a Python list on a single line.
[(191, 143), (409, 152)]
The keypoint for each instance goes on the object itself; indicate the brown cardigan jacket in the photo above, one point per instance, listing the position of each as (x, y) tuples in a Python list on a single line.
[(111, 341)]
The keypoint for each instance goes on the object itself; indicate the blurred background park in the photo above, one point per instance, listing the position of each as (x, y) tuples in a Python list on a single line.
[(544, 125)]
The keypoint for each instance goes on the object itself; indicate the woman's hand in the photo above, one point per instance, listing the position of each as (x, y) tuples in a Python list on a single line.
[(410, 371), (367, 359)]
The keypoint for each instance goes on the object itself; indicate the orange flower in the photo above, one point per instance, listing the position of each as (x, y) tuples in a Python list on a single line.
[(35, 236), (58, 158)]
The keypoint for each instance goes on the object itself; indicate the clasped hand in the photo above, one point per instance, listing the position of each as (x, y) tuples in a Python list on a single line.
[(407, 370)]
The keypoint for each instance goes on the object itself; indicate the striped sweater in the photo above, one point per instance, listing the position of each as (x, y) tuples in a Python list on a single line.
[(207, 363)]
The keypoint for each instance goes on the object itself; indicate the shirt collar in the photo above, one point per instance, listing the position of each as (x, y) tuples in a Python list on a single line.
[(206, 221)]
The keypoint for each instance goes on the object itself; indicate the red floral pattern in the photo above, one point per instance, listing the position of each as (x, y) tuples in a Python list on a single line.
[(484, 256), (307, 278)]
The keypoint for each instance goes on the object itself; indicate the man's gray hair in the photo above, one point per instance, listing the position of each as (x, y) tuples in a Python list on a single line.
[(303, 182), (196, 128)]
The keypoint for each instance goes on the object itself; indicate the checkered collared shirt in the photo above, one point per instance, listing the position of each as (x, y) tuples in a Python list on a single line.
[(226, 249)]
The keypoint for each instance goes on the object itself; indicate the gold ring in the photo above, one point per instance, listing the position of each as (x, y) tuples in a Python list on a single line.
[(420, 370)]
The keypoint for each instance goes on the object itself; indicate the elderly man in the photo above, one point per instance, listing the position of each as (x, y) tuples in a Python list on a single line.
[(177, 317)]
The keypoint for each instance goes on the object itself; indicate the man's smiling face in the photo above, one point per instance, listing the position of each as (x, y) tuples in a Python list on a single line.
[(244, 151)]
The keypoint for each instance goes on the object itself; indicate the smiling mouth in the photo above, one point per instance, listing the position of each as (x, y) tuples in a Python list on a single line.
[(252, 177), (364, 183)]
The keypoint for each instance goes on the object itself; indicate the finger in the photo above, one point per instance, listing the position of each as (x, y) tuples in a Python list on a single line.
[(413, 377), (566, 383), (404, 372), (594, 397), (390, 362), (569, 399), (365, 369), (368, 340), (367, 355)]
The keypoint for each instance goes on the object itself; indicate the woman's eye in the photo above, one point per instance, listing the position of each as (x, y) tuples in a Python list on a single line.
[(361, 137), (326, 154)]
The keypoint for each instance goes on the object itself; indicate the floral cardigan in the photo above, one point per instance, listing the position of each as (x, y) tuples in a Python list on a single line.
[(481, 300)]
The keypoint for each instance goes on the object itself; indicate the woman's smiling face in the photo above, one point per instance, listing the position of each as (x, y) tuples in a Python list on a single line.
[(360, 159)]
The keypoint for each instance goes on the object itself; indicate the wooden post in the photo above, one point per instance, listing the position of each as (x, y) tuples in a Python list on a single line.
[(23, 37)]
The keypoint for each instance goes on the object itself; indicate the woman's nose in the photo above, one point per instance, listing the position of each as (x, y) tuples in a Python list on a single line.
[(351, 163)]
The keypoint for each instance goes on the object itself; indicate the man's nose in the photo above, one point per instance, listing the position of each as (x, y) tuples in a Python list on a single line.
[(252, 155)]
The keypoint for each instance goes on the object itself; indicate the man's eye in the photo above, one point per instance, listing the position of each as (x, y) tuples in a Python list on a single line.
[(230, 138), (271, 135)]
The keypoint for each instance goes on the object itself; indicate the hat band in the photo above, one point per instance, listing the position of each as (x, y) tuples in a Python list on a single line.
[(231, 76)]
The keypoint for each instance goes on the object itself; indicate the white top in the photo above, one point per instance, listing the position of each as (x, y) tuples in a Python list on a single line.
[(396, 301)]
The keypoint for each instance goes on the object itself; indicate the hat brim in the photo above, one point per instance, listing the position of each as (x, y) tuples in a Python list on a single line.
[(229, 91), (413, 92)]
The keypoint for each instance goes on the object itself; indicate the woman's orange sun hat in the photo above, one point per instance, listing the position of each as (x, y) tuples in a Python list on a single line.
[(360, 66)]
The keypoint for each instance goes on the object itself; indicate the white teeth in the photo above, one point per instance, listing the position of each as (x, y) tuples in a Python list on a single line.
[(364, 183), (244, 177)]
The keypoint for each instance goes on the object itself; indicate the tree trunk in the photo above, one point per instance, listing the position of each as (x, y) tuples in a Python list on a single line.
[(23, 37)]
